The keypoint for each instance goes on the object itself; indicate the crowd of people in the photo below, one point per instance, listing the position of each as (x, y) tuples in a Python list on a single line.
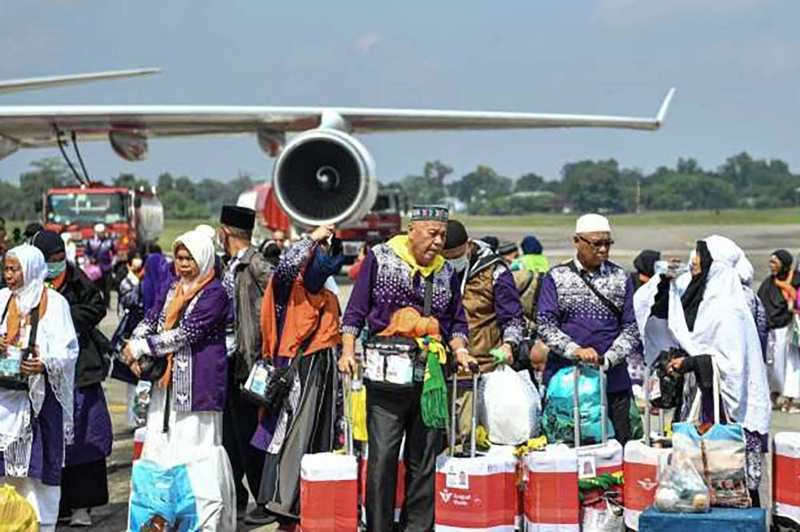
[(431, 302)]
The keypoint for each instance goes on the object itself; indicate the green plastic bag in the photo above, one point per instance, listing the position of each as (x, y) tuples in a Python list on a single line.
[(558, 420)]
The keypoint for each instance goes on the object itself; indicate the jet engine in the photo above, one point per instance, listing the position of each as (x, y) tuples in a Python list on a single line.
[(325, 176)]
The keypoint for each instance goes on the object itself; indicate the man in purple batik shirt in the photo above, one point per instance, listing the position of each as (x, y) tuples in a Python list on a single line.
[(394, 276), (585, 313)]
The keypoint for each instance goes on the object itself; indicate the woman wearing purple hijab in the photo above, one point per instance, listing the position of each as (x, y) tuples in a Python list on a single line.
[(158, 277)]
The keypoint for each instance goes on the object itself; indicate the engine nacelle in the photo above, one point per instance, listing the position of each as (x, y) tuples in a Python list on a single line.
[(325, 176)]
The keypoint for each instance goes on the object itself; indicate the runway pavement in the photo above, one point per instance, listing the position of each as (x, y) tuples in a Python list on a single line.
[(758, 242)]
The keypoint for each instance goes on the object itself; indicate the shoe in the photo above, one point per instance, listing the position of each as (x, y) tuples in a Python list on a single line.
[(260, 516), (81, 518), (241, 511)]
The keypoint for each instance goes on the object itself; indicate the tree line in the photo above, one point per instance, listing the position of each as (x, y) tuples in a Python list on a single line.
[(603, 185), (584, 186)]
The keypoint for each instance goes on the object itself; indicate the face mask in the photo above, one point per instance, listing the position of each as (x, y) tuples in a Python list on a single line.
[(460, 264), (54, 269)]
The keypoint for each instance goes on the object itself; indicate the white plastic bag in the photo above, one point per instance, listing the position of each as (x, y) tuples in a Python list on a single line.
[(607, 518), (510, 406), (681, 488)]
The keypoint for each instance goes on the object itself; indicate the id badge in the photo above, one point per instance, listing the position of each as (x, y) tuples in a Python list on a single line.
[(260, 378), (374, 369), (399, 369), (11, 362)]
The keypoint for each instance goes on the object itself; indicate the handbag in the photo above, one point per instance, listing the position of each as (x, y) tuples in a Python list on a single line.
[(719, 454), (393, 362), (257, 384), (269, 386), (665, 388), (11, 376)]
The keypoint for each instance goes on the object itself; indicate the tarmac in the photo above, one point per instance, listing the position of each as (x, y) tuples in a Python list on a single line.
[(758, 242)]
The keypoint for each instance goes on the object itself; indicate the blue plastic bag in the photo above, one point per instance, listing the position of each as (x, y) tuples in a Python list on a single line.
[(558, 419), (161, 498)]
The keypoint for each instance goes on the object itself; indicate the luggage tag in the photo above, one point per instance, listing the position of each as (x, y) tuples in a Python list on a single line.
[(654, 388), (458, 480), (587, 466)]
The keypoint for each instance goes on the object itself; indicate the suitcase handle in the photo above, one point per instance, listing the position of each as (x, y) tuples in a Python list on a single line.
[(603, 404), (346, 382), (473, 446), (696, 411)]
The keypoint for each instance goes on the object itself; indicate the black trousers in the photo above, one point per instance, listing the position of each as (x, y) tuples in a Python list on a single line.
[(83, 486), (390, 416), (619, 411), (239, 423)]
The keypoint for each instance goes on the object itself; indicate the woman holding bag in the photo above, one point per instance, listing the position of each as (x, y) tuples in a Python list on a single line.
[(707, 314), (186, 332), (35, 399)]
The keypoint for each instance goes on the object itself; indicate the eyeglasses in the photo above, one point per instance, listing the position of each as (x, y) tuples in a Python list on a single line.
[(598, 244)]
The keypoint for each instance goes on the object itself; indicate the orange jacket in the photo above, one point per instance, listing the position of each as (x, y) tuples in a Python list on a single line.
[(307, 315)]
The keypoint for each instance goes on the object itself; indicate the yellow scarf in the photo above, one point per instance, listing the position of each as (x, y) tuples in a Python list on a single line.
[(399, 245)]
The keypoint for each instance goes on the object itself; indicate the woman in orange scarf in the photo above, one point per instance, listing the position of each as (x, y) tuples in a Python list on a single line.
[(184, 423), (778, 293), (37, 422)]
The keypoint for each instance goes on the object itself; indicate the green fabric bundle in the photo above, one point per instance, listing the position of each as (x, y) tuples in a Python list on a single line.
[(434, 394)]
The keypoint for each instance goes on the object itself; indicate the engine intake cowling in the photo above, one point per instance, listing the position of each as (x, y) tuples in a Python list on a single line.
[(325, 176)]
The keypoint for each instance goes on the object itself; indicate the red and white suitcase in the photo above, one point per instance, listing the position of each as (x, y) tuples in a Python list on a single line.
[(786, 477), (400, 492), (641, 467), (139, 437), (509, 452), (475, 492), (329, 487), (552, 499)]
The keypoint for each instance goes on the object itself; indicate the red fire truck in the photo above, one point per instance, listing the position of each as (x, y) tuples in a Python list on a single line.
[(383, 221), (131, 217)]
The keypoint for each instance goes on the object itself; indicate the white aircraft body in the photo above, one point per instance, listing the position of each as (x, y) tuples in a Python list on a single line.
[(323, 174)]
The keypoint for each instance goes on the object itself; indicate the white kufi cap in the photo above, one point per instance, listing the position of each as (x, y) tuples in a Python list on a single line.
[(592, 223)]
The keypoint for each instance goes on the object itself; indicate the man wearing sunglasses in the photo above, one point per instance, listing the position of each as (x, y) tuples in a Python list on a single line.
[(585, 313)]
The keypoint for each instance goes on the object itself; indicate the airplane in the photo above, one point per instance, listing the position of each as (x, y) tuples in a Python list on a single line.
[(322, 175)]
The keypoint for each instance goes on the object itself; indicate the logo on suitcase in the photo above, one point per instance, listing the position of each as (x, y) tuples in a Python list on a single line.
[(648, 484), (445, 495)]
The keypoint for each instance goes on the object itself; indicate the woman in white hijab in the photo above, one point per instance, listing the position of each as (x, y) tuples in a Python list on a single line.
[(708, 314), (186, 332), (36, 404)]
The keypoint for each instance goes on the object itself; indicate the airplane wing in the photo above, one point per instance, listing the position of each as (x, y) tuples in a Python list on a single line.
[(39, 126)]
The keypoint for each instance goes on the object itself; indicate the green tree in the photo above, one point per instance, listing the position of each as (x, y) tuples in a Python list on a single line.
[(594, 186), (436, 171), (528, 183), (480, 186)]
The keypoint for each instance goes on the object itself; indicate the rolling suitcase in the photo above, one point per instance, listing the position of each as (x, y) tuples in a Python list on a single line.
[(552, 498), (640, 467), (329, 486), (475, 492), (786, 480)]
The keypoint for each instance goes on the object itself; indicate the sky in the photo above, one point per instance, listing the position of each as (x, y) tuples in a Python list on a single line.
[(735, 64)]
